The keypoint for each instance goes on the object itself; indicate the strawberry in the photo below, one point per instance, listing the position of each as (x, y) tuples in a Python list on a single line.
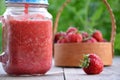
[(74, 37), (90, 40), (62, 40), (59, 35), (98, 36), (72, 29), (85, 35), (92, 64)]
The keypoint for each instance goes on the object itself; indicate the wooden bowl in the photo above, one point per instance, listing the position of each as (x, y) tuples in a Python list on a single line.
[(70, 54)]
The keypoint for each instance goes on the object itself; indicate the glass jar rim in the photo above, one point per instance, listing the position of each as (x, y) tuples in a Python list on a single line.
[(28, 1), (11, 4)]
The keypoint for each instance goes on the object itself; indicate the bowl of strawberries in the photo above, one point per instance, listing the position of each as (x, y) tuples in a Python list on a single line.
[(72, 45)]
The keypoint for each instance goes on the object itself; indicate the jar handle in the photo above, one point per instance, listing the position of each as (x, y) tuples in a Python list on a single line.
[(1, 17), (1, 57)]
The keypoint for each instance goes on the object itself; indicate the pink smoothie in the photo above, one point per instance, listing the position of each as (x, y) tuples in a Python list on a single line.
[(29, 46)]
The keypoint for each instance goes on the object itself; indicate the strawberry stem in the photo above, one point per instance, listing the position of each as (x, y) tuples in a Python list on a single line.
[(85, 62)]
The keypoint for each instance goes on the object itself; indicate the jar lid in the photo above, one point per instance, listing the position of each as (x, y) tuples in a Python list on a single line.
[(28, 1)]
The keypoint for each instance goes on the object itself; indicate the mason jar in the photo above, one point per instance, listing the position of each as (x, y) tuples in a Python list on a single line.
[(27, 37)]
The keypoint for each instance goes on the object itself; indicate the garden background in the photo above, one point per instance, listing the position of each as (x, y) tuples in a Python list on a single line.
[(85, 15)]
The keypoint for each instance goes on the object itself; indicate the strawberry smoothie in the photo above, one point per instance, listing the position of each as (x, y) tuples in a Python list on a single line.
[(29, 45)]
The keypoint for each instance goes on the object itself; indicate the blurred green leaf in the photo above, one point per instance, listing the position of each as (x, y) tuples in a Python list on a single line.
[(2, 6), (117, 41), (96, 15)]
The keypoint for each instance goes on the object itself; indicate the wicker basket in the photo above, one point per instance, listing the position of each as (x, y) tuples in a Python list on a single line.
[(70, 54)]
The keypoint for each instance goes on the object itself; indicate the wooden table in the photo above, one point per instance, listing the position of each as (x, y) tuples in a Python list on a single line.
[(58, 73)]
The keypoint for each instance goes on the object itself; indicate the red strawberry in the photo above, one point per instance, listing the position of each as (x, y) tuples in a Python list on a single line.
[(72, 29), (85, 35), (74, 37), (62, 40), (98, 36), (59, 35), (92, 64), (90, 40)]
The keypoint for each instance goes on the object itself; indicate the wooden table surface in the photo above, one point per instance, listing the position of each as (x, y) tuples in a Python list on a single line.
[(58, 73)]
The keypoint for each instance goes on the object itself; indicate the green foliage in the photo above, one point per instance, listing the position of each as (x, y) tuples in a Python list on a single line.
[(2, 6), (85, 16), (117, 41), (2, 9)]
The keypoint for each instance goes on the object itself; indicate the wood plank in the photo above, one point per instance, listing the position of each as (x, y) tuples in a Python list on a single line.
[(109, 73), (55, 73)]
